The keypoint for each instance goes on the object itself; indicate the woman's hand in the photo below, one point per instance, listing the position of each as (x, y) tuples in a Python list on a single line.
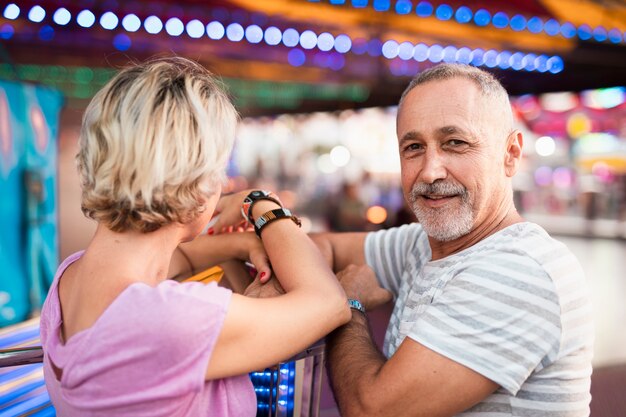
[(259, 259), (227, 215)]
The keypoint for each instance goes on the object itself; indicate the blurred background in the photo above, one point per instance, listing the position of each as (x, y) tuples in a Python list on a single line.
[(316, 84)]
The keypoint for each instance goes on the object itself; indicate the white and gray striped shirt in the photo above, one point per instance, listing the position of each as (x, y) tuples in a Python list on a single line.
[(513, 308)]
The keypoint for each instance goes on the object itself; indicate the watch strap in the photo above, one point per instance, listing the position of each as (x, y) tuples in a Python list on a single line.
[(253, 197), (356, 305), (271, 216)]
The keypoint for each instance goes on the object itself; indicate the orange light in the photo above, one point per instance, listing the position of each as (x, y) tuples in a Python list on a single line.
[(376, 214)]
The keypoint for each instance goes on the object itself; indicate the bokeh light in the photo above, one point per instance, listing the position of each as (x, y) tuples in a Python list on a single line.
[(62, 16), (153, 25), (545, 146), (376, 214), (340, 156)]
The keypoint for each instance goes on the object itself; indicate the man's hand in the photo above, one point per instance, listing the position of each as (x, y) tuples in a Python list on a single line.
[(360, 282), (271, 288)]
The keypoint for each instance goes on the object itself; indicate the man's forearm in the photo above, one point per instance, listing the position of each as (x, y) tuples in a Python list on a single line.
[(340, 249), (354, 360)]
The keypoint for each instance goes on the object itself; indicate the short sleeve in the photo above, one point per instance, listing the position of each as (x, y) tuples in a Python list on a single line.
[(500, 318), (388, 251)]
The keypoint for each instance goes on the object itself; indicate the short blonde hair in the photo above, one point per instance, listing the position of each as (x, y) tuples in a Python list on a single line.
[(154, 145)]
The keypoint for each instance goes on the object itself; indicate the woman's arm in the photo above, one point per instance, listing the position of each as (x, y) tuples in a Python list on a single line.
[(206, 251), (261, 332)]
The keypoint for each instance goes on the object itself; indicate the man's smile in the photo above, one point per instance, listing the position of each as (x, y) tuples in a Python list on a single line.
[(436, 200)]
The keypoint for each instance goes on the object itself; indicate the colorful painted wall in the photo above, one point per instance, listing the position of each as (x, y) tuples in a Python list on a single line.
[(29, 117)]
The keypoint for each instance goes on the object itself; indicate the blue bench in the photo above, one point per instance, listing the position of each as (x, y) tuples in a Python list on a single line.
[(22, 389)]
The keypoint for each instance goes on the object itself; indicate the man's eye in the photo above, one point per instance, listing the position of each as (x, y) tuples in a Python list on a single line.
[(456, 142), (413, 147)]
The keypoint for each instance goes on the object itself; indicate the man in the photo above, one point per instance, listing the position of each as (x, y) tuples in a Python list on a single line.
[(491, 316)]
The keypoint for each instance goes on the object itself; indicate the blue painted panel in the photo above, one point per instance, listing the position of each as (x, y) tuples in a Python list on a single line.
[(28, 216)]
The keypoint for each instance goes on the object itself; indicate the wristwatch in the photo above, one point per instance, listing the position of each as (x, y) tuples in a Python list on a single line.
[(272, 215), (253, 197)]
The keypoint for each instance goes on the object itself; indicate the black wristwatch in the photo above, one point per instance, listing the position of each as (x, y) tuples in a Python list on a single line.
[(253, 197)]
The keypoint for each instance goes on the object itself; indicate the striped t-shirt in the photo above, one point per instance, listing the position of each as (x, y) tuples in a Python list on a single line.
[(513, 308)]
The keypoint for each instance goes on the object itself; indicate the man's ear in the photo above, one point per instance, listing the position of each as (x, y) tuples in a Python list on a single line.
[(513, 156)]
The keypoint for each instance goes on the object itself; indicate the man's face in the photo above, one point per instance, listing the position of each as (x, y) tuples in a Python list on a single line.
[(452, 144)]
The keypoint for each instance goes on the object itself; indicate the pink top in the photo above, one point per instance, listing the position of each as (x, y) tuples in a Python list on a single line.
[(146, 355)]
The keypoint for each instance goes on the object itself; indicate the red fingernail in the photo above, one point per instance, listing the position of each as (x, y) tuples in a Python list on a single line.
[(262, 275), (210, 231)]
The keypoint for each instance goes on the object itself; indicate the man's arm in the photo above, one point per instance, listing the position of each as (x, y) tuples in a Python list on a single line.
[(415, 381), (341, 249)]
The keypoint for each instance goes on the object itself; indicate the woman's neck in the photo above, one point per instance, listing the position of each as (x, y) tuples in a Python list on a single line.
[(139, 256)]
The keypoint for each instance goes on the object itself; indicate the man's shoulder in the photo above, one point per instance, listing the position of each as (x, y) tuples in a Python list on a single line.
[(522, 256), (522, 239)]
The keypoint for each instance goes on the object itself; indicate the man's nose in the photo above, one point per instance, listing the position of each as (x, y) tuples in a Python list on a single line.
[(434, 167)]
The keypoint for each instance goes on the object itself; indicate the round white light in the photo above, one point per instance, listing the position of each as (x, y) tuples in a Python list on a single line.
[(195, 28), (291, 37), (86, 18), (109, 21), (343, 43), (234, 32), (153, 25), (62, 16), (11, 12), (273, 35), (36, 14), (340, 156), (131, 23), (308, 39), (174, 26), (325, 42), (405, 51), (545, 146), (254, 34), (215, 30)]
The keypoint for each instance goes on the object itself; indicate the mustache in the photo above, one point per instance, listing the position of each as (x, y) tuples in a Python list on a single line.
[(437, 188)]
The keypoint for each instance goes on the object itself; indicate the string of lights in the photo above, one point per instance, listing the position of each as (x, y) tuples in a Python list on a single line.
[(298, 42), (83, 82), (498, 20)]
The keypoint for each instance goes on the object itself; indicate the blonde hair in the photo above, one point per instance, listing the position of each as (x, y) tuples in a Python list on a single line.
[(154, 145)]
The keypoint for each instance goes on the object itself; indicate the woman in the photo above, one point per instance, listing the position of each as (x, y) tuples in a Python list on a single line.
[(119, 338)]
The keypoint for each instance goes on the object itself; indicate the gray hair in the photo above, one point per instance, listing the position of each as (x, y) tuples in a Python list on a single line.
[(488, 85)]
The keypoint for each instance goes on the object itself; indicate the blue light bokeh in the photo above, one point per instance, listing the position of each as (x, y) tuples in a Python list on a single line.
[(463, 14)]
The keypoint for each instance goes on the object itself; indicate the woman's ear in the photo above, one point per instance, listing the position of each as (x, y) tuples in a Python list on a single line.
[(513, 156)]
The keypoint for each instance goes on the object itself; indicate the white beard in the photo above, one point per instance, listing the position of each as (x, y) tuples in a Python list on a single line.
[(444, 223)]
